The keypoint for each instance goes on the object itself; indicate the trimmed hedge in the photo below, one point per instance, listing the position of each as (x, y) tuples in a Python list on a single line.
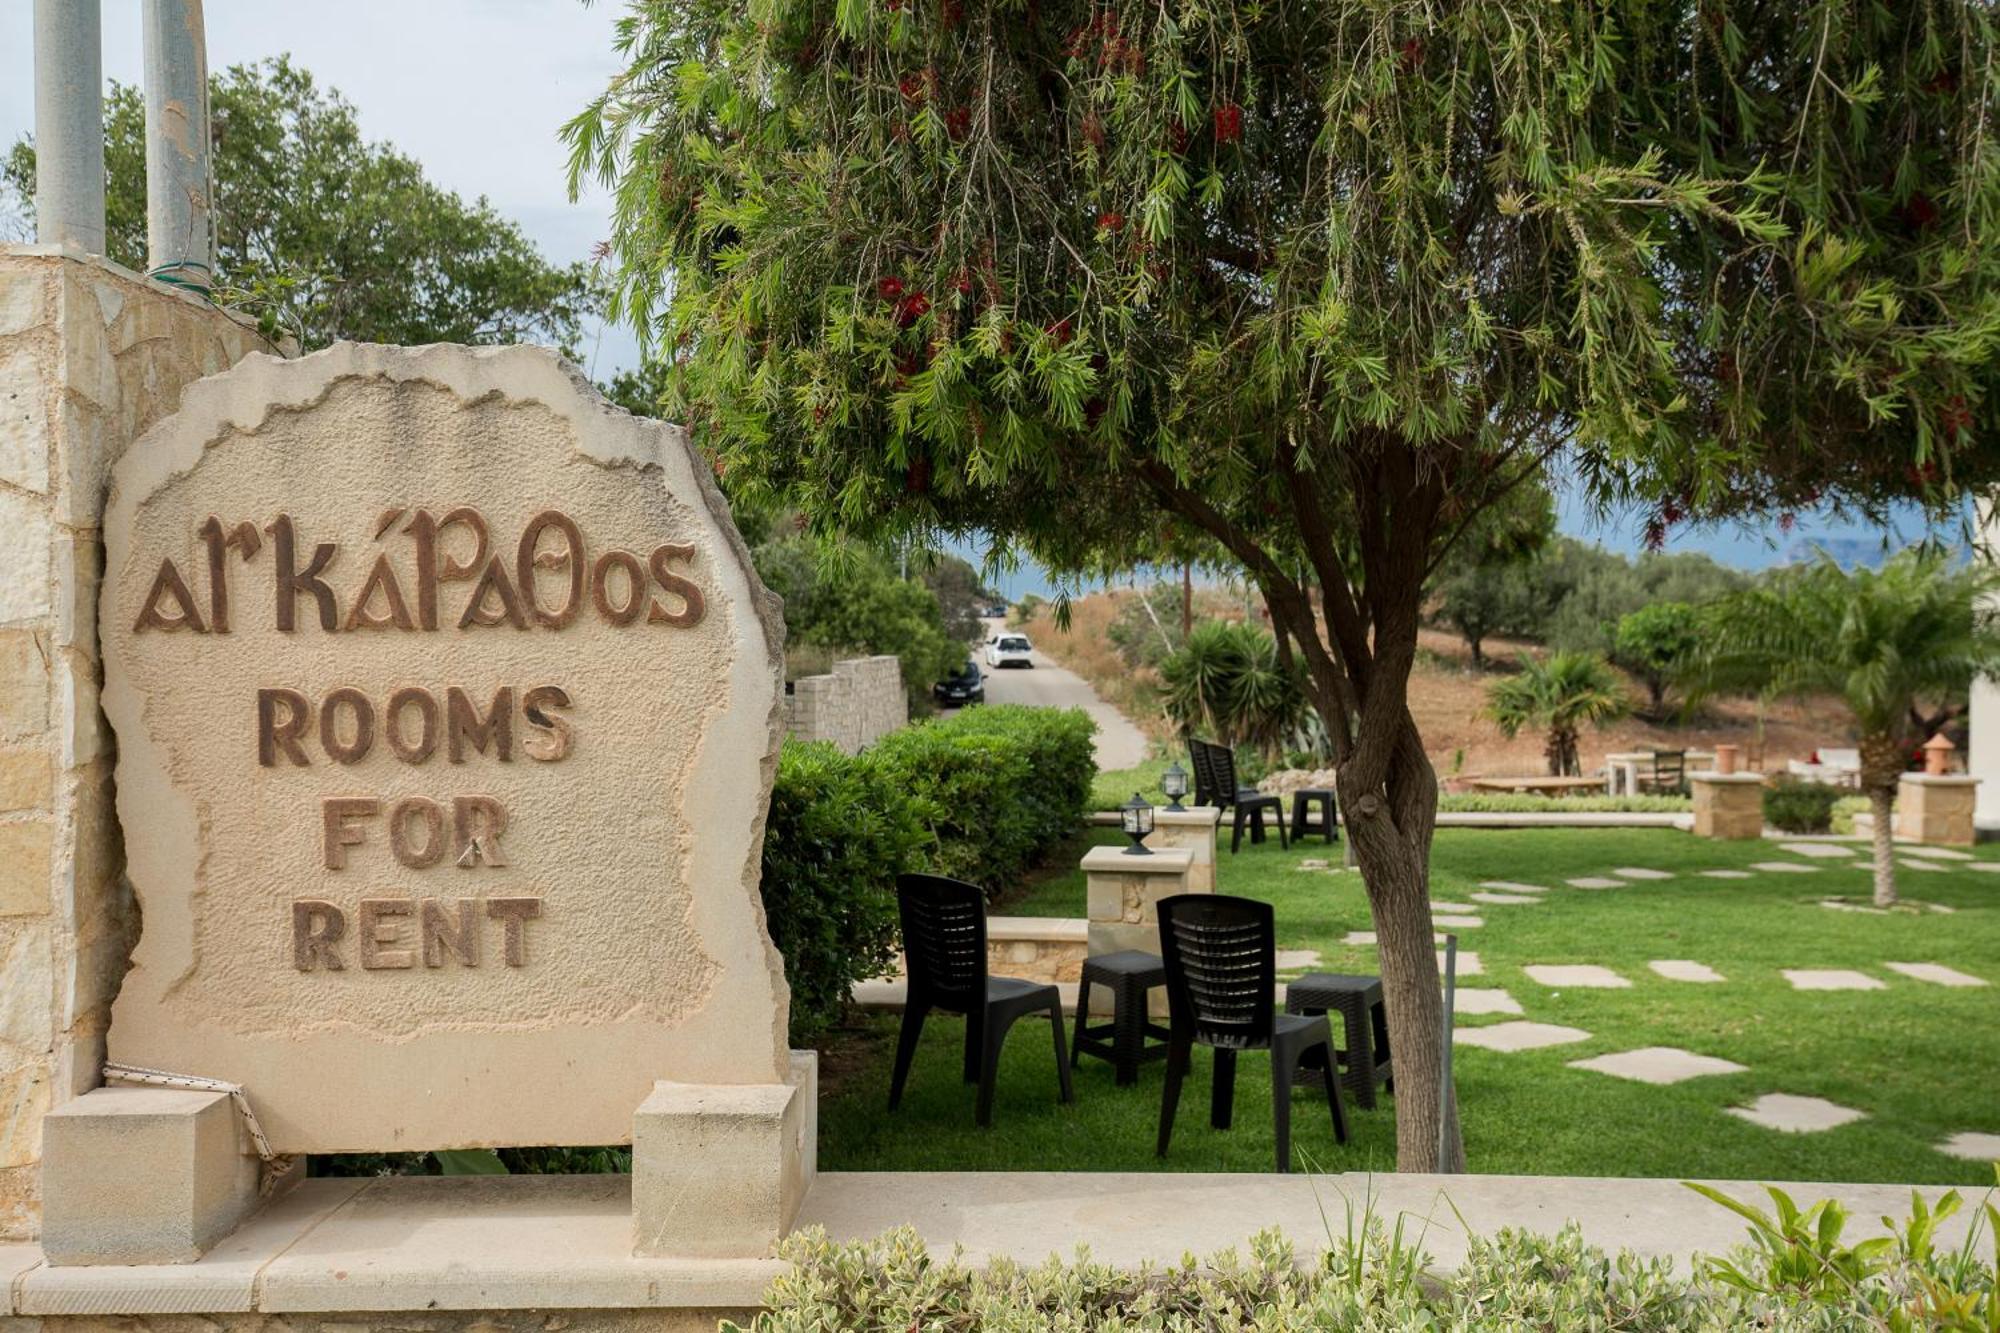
[(1527, 803), (1801, 807)]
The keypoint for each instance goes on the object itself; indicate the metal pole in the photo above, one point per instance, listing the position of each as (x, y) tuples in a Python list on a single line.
[(1445, 1097), (69, 124), (179, 240)]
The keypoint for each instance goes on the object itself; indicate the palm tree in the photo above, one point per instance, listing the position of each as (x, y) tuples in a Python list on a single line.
[(1561, 694), (1885, 641)]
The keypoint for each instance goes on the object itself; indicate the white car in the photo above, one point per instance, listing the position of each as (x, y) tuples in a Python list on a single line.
[(1005, 650)]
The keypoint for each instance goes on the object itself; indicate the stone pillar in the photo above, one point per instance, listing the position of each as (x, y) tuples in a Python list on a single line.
[(180, 239), (1728, 805), (1191, 830), (90, 356), (1122, 890), (1937, 808), (69, 124)]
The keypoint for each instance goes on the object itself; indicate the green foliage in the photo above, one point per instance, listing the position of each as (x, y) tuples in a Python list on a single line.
[(962, 596), (1227, 684), (1591, 590), (1656, 643), (1801, 807), (322, 235), (1026, 609), (1527, 803), (1561, 695), (1490, 583), (850, 600), (1148, 627)]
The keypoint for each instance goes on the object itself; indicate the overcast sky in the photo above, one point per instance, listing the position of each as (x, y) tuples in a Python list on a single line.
[(477, 90)]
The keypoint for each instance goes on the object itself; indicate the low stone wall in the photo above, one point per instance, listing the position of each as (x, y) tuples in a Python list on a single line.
[(857, 703), (1037, 948)]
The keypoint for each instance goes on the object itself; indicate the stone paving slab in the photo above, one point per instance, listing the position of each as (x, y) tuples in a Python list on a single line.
[(1595, 882), (1294, 960), (1514, 886), (1726, 874), (1831, 978), (1796, 1115), (1504, 899), (1936, 973), (1659, 1065), (1819, 851), (1844, 905), (1681, 969), (1783, 867), (1641, 872), (1912, 863), (1468, 963), (1989, 866), (1437, 906), (1939, 853), (1518, 1036), (1585, 976), (1972, 1147), (1458, 921), (1358, 938), (1487, 1001)]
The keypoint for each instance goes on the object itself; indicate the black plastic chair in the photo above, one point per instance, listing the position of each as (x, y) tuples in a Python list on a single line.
[(1215, 785), (1222, 984), (944, 952), (1670, 771)]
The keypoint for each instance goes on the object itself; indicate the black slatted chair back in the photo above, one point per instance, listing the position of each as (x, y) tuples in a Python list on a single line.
[(1222, 761), (1670, 768), (1222, 968), (1205, 793), (944, 940)]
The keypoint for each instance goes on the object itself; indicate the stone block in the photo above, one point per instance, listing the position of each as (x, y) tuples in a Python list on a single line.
[(24, 419), (27, 999), (1936, 808), (1728, 806), (24, 1099), (186, 1148), (24, 684), (719, 1170), (1193, 831), (27, 780), (22, 301), (26, 532), (25, 845)]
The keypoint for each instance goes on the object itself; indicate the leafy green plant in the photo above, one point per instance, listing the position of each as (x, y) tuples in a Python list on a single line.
[(1228, 684), (1656, 643), (1527, 803), (1801, 807), (1797, 1253), (1560, 695)]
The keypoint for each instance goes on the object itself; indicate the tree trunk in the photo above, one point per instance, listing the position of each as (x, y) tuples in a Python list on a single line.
[(1881, 803), (1477, 643)]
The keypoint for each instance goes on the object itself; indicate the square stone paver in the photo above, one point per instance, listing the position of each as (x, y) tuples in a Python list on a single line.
[(1846, 905), (1489, 1001), (1912, 863), (1939, 853), (1468, 963), (1586, 976), (1458, 921), (1993, 866), (1818, 851), (1726, 874), (1437, 906), (1595, 882), (1783, 867), (1641, 872), (1831, 978), (1294, 960), (1504, 899), (1518, 1036), (1658, 1064), (1513, 886), (1358, 937), (1936, 973), (1972, 1147), (1796, 1115), (1680, 969)]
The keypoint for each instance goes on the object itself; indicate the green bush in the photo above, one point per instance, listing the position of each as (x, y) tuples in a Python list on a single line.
[(1801, 807), (1526, 803)]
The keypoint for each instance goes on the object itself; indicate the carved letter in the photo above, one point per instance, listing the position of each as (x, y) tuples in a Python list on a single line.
[(344, 751), (394, 615), (292, 582), (317, 925), (476, 824), (392, 724), (169, 583), (635, 587), (494, 582), (463, 723), (379, 925), (692, 602), (441, 935), (432, 850), (535, 706), (526, 562), (274, 735), (336, 834), (514, 914), (245, 539)]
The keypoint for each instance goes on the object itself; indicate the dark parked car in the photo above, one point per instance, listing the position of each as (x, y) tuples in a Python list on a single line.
[(963, 686)]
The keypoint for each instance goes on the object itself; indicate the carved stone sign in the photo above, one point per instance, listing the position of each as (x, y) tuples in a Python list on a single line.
[(447, 708)]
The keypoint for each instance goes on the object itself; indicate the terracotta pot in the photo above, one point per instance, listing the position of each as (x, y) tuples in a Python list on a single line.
[(1725, 758)]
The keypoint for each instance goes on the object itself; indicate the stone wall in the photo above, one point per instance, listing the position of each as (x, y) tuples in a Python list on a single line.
[(90, 356), (857, 703)]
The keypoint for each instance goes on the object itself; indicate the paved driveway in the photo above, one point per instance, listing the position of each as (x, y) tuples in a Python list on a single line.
[(1119, 743)]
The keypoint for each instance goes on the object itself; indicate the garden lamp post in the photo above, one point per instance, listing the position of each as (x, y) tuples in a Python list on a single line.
[(1137, 818), (1173, 785)]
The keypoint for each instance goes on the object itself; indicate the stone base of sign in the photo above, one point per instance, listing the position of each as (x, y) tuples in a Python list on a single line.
[(1193, 831), (719, 1171), (1936, 808), (143, 1176), (1728, 806), (1121, 891)]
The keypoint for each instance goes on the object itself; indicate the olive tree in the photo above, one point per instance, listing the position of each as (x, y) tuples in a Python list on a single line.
[(1317, 282)]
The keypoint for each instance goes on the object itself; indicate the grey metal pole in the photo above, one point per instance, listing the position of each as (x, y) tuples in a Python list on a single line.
[(69, 124), (179, 239), (1446, 1094)]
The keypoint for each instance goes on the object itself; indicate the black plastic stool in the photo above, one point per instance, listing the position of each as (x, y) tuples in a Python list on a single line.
[(1358, 1000), (1130, 974), (1303, 800)]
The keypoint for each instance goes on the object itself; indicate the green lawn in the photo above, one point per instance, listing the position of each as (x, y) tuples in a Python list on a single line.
[(1923, 1061)]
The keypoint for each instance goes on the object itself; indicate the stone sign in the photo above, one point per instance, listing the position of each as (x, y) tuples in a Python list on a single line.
[(447, 706)]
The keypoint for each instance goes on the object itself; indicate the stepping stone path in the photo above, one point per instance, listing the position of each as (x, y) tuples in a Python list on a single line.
[(1796, 1115), (1518, 1036), (1595, 882), (1504, 899), (1315, 863), (1832, 978), (1484, 1002), (1640, 872), (1783, 867), (1912, 863), (1992, 867), (1729, 874), (1841, 905), (1818, 851), (1680, 969), (1586, 976), (1437, 906), (1939, 853), (1510, 886), (1293, 960), (1935, 973), (1659, 1065), (1358, 937), (1972, 1147), (1468, 963), (1458, 921)]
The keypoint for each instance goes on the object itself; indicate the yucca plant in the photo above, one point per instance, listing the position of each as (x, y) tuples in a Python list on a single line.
[(1229, 682), (1882, 641), (1561, 694)]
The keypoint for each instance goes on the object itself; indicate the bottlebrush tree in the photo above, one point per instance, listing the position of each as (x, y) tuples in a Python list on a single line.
[(1317, 283)]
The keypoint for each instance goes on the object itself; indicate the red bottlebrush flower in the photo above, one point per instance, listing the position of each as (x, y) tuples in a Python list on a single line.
[(1093, 130), (912, 88), (1111, 221), (952, 12), (908, 364), (1177, 135), (1061, 332), (917, 477), (1920, 213), (1656, 534), (958, 122), (1228, 123), (1956, 418), (798, 522), (900, 132), (961, 282), (1787, 521), (1945, 82), (1726, 369), (912, 308), (890, 288), (1671, 513), (894, 6), (1411, 54), (808, 55)]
